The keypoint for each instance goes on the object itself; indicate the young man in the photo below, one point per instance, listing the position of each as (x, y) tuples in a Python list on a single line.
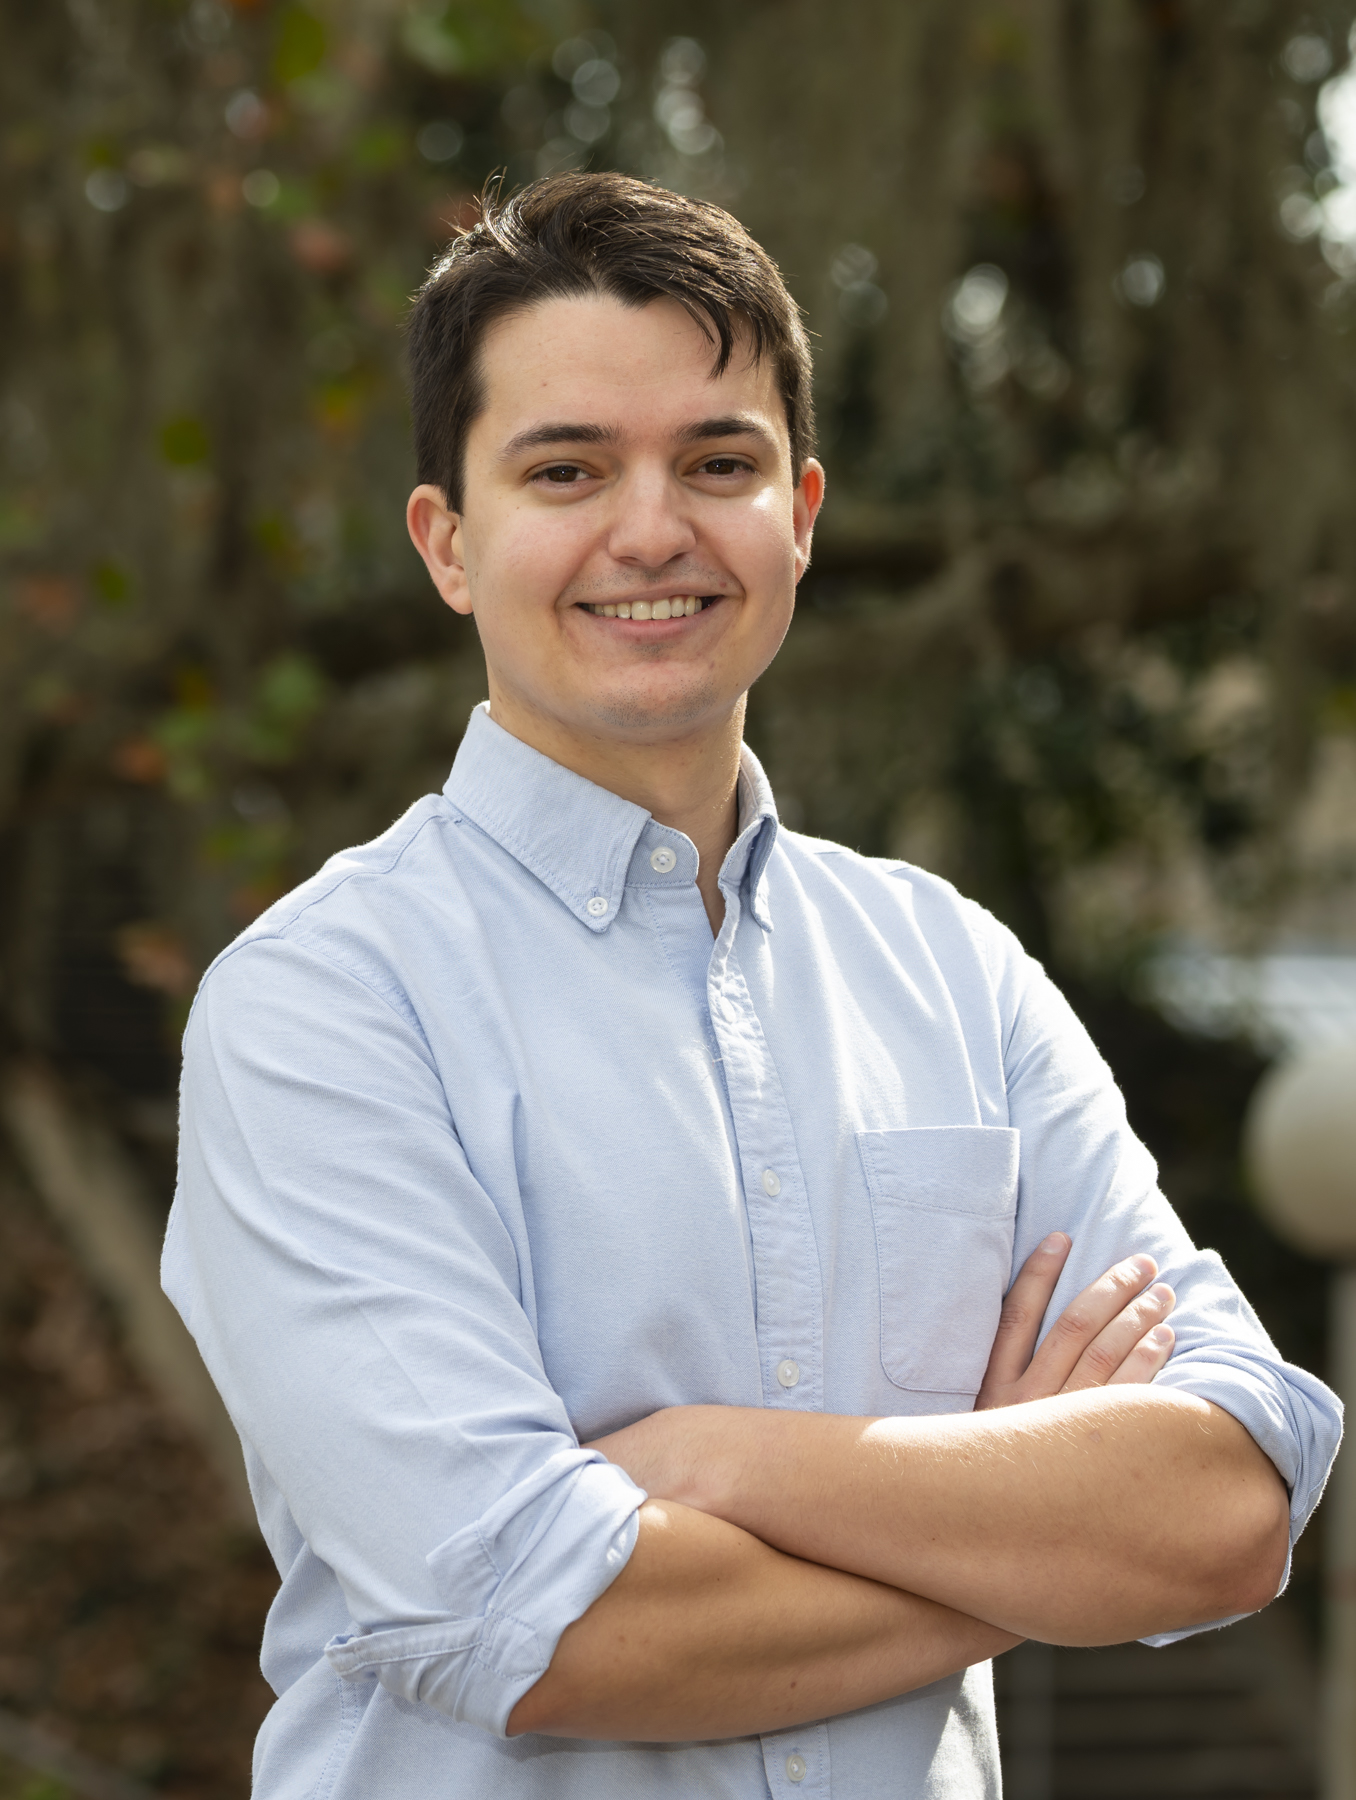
[(587, 1100)]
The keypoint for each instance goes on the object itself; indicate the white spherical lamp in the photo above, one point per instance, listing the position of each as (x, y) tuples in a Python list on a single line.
[(1300, 1143)]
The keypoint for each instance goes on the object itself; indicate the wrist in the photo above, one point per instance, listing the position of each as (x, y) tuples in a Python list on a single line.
[(721, 1442)]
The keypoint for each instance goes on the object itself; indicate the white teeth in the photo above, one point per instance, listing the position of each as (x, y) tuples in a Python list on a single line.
[(682, 606)]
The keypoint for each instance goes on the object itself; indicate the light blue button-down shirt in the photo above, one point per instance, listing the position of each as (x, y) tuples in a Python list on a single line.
[(488, 1149)]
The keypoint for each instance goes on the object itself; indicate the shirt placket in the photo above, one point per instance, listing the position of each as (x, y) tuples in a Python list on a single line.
[(789, 1303), (789, 1291)]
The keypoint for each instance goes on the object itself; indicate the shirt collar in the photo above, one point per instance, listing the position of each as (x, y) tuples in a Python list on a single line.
[(579, 838), (758, 825)]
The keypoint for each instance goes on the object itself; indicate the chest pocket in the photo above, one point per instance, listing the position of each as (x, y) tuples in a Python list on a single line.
[(944, 1199)]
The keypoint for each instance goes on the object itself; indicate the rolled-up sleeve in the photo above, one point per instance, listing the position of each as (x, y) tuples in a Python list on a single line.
[(1083, 1171), (357, 1298)]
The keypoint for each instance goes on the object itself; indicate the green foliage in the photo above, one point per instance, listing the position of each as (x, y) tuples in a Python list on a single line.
[(184, 442), (112, 583), (1018, 655), (381, 147), (45, 1787), (298, 43), (475, 39), (287, 695)]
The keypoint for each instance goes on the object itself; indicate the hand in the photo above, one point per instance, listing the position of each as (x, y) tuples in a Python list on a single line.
[(1113, 1332)]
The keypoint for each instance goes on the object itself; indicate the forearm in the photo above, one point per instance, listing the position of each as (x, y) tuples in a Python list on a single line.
[(1086, 1518), (709, 1633)]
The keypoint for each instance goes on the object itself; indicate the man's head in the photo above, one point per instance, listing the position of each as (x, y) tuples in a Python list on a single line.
[(612, 420)]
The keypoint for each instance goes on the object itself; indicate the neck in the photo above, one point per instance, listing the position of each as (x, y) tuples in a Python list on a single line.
[(687, 783)]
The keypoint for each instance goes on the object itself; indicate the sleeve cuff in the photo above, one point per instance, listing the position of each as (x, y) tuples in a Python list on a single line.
[(1297, 1423), (514, 1579)]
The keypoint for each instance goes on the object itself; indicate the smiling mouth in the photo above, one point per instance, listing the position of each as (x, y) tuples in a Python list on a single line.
[(678, 606)]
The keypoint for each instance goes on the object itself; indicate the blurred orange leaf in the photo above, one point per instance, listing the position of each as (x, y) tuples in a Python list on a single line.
[(139, 759), (254, 897), (154, 956), (224, 193), (193, 688), (339, 409), (51, 601), (321, 247), (453, 213)]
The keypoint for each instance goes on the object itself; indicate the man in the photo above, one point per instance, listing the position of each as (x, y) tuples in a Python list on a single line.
[(589, 1101)]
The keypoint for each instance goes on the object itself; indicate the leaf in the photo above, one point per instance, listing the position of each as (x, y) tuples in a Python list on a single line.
[(112, 584), (184, 442), (380, 147), (298, 44), (428, 41), (290, 689)]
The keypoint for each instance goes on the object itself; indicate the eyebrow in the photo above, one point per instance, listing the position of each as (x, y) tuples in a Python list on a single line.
[(563, 432), (730, 425), (540, 437)]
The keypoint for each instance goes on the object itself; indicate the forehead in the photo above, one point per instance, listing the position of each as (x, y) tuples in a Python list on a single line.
[(595, 360)]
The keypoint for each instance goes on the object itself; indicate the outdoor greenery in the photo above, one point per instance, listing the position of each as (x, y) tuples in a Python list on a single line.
[(1080, 631)]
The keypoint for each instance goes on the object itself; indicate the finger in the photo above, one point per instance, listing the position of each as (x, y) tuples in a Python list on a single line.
[(1147, 1358), (1109, 1349), (1086, 1315), (1023, 1309)]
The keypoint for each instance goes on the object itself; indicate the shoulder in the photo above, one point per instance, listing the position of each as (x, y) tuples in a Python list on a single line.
[(346, 918), (888, 889), (927, 922)]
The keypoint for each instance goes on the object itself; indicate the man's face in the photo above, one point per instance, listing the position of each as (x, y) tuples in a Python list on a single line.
[(610, 470)]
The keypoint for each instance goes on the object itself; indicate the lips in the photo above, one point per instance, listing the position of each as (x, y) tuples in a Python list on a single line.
[(677, 606)]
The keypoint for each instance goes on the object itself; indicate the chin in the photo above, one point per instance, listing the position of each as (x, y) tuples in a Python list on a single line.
[(675, 710)]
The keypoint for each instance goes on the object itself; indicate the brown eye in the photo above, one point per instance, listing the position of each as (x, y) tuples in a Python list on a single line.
[(563, 473), (725, 465)]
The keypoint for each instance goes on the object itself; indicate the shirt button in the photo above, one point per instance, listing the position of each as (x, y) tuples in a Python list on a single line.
[(788, 1373), (662, 860), (795, 1767), (771, 1183), (596, 907)]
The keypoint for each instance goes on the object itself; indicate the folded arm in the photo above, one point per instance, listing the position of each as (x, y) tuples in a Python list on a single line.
[(708, 1633), (1063, 1510), (1082, 1520)]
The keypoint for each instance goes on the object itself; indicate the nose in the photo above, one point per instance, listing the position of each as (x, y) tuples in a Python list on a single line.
[(649, 526)]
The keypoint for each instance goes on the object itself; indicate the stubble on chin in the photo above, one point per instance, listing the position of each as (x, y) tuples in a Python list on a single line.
[(632, 712)]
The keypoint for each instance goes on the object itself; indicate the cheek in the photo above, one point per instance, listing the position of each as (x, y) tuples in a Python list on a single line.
[(528, 557), (762, 543)]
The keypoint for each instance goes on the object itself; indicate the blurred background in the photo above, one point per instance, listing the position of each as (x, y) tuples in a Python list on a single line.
[(1080, 634)]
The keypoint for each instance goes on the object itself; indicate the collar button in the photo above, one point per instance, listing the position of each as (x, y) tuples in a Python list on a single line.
[(596, 907), (662, 860)]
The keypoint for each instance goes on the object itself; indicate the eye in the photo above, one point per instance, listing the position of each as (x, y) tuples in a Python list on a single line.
[(726, 466), (562, 474)]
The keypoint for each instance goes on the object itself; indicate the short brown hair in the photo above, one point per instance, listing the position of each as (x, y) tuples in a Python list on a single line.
[(593, 234)]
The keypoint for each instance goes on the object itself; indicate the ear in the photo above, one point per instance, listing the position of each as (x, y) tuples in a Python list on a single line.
[(436, 535), (806, 502)]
